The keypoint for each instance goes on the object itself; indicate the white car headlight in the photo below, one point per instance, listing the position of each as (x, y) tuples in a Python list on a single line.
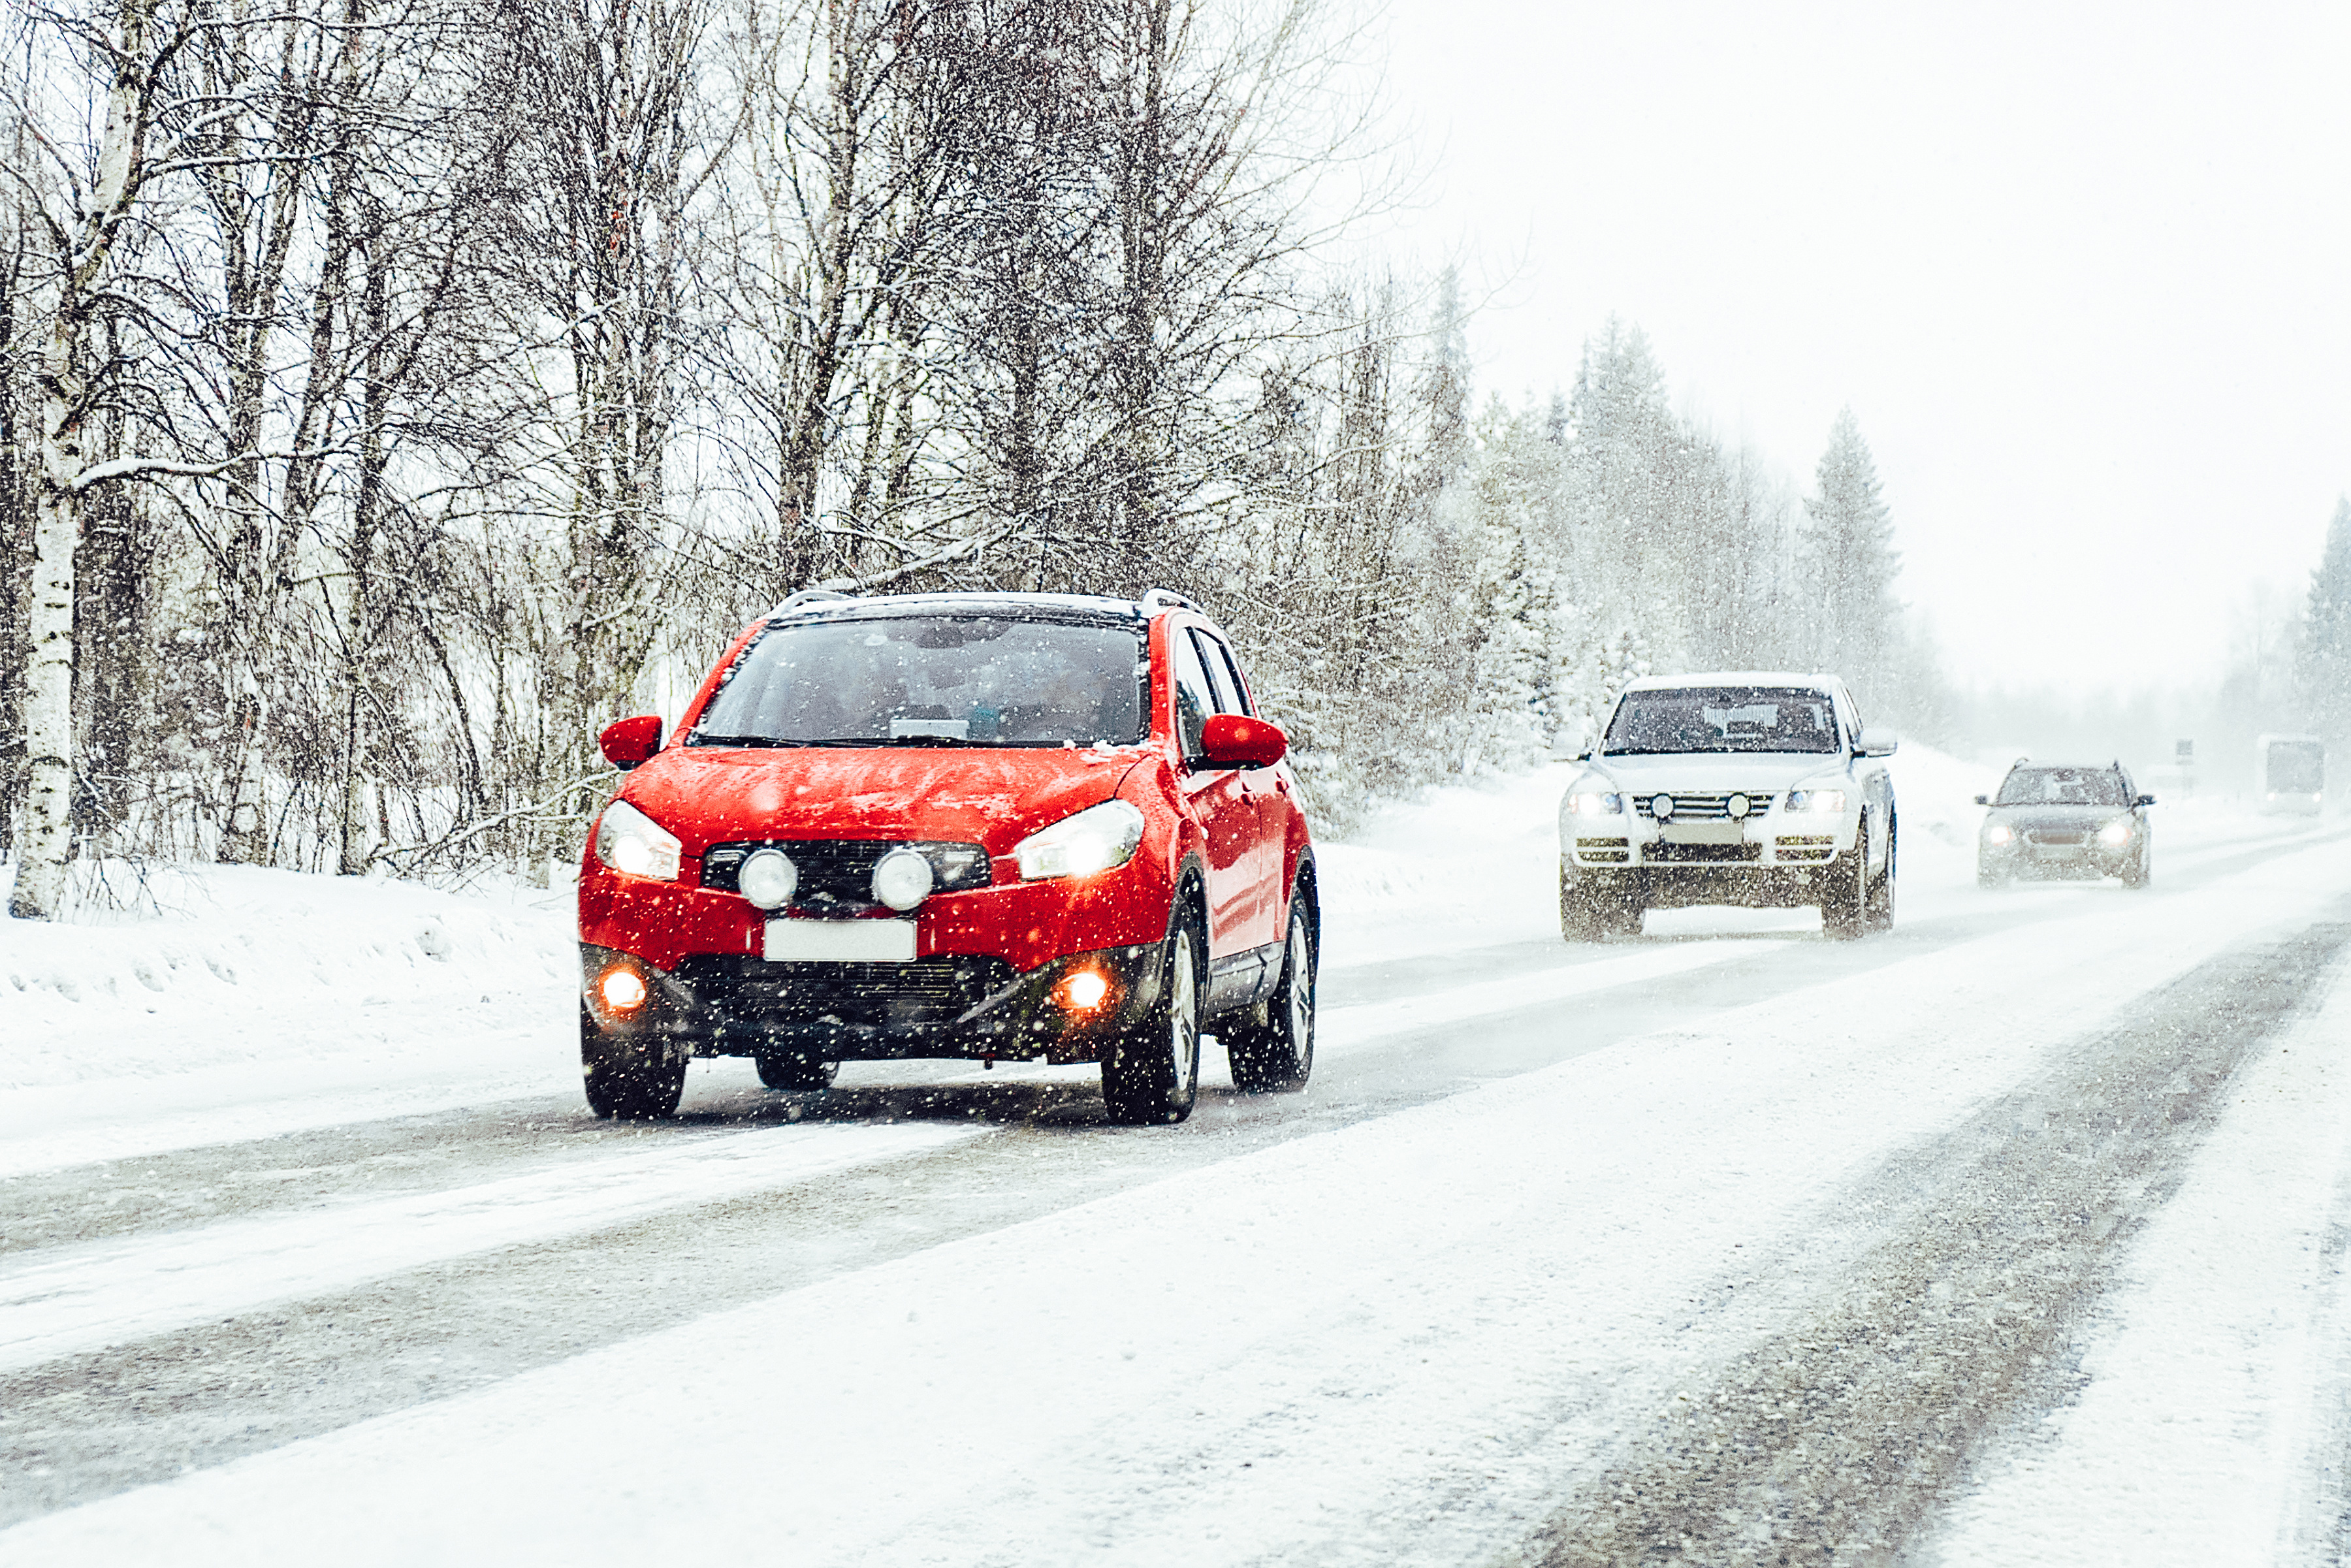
[(2116, 834), (633, 844), (1095, 839), (1590, 796), (1999, 833), (1824, 802), (903, 879), (768, 878)]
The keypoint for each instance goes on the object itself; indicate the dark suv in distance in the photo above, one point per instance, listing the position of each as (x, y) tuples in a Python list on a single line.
[(2064, 819), (959, 825)]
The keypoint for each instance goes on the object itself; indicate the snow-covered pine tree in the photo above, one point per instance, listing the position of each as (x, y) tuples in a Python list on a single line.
[(1624, 550), (1512, 604), (2323, 673), (1846, 569)]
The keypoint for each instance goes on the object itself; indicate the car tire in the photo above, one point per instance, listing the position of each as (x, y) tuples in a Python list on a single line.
[(1271, 1046), (1580, 918), (628, 1079), (1844, 900), (1150, 1072), (2141, 870), (791, 1071), (1988, 877), (1880, 912)]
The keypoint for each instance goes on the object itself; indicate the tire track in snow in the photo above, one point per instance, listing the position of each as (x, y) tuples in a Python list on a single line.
[(1834, 1440), (67, 1300)]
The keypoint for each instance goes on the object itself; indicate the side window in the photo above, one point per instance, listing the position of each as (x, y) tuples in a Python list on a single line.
[(1195, 699), (1220, 665)]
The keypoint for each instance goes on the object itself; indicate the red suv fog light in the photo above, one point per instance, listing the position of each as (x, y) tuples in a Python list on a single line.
[(622, 990), (1085, 992)]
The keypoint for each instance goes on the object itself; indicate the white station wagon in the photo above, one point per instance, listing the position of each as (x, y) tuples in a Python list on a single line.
[(1741, 787)]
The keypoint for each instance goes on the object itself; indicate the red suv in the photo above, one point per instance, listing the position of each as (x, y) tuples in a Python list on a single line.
[(953, 825)]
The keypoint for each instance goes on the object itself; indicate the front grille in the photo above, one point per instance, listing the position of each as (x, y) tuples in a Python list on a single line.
[(836, 875), (1705, 808), (2058, 841), (928, 990), (1691, 854)]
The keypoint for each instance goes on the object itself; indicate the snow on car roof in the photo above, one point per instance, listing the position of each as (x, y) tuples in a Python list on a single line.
[(1730, 678)]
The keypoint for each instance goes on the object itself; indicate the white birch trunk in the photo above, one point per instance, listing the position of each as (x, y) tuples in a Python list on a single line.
[(47, 842)]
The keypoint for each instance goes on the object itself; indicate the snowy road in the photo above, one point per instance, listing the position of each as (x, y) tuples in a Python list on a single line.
[(2015, 1236)]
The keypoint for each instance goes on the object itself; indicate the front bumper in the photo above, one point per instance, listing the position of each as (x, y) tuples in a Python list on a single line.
[(2028, 861), (1754, 886), (729, 1004), (1776, 843)]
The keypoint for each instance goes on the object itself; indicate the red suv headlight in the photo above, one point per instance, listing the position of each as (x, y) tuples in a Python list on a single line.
[(633, 844), (1098, 839)]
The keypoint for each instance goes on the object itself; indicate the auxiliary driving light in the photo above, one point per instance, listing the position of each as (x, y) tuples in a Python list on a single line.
[(1085, 990), (768, 878), (622, 988), (903, 879)]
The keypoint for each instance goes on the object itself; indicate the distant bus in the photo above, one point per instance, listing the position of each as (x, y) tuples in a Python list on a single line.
[(2290, 773)]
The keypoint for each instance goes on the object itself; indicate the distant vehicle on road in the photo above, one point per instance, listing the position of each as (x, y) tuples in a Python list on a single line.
[(2290, 774), (2066, 819), (963, 825), (1739, 786)]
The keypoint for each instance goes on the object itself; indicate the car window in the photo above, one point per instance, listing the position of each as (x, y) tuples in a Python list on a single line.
[(2060, 787), (1723, 718), (1232, 696), (931, 679), (1195, 699)]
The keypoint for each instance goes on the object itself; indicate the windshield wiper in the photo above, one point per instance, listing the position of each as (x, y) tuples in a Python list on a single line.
[(699, 738)]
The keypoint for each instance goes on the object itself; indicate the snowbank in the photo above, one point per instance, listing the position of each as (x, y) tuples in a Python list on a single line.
[(243, 963)]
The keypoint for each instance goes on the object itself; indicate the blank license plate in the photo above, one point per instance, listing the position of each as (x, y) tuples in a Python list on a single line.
[(841, 941)]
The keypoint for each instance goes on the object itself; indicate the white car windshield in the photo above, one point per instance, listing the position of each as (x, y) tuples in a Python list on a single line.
[(933, 680), (1722, 718), (2060, 787)]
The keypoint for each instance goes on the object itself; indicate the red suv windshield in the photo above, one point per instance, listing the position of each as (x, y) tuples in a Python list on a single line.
[(933, 680)]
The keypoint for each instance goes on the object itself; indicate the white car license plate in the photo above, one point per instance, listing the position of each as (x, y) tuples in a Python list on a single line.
[(841, 941)]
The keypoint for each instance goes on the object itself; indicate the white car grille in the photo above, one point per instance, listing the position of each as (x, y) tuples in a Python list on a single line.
[(1707, 808)]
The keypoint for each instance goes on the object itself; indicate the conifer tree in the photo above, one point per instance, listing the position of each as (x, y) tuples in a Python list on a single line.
[(1849, 564), (2323, 671)]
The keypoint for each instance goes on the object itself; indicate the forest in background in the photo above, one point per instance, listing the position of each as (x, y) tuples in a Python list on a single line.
[(393, 391)]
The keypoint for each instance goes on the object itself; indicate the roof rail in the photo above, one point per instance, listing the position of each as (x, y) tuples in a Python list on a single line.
[(804, 597), (1155, 600)]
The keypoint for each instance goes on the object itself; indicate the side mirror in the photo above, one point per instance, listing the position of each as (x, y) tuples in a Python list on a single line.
[(1233, 740), (2143, 800), (1876, 740), (629, 741), (1983, 799)]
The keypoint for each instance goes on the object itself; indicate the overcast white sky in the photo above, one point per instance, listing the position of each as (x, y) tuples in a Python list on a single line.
[(2084, 274)]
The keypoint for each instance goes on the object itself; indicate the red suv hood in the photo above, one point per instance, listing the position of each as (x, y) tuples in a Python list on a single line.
[(994, 796)]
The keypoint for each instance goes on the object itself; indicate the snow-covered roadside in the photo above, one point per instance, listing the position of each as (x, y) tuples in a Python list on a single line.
[(2214, 1370), (1190, 1372), (259, 1002)]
